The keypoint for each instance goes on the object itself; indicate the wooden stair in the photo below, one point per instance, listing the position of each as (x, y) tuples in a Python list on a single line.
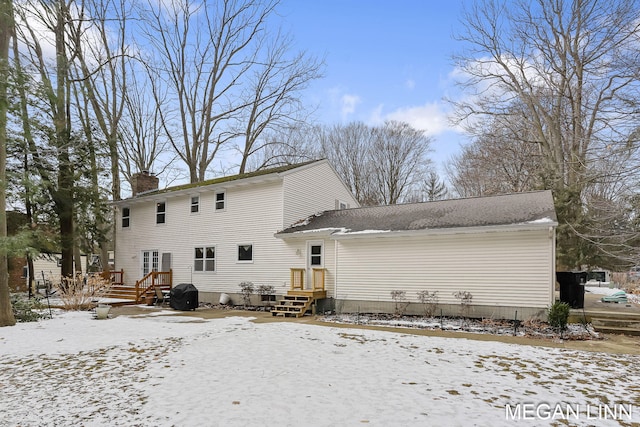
[(296, 303), (127, 294), (616, 325), (121, 292)]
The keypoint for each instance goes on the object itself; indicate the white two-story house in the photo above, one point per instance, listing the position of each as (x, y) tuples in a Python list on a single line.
[(298, 228), (218, 233)]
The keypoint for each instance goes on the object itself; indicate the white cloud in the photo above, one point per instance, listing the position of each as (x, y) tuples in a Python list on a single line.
[(430, 117), (348, 104)]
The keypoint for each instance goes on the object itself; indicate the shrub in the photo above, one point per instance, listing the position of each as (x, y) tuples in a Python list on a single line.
[(430, 302), (265, 291), (78, 293), (559, 315), (465, 298), (23, 309), (246, 288), (400, 299)]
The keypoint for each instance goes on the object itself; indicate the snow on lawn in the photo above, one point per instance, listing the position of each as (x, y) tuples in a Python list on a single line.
[(171, 370)]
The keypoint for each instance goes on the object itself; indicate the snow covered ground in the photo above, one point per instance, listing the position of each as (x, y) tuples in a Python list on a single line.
[(606, 290), (169, 370)]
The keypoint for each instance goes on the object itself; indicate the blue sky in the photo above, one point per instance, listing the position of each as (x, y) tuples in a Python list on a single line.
[(384, 60)]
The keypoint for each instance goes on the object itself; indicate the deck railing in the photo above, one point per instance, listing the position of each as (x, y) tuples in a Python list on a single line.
[(154, 279), (297, 278), (114, 276), (317, 278)]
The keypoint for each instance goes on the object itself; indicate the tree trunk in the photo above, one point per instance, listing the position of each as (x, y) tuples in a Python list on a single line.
[(6, 24), (64, 192)]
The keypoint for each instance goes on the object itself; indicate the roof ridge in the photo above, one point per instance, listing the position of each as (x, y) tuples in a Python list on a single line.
[(230, 178)]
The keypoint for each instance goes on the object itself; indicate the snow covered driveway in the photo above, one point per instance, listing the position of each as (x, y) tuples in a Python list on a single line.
[(169, 370)]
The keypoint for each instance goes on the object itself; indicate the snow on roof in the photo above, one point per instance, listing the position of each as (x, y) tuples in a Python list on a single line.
[(511, 209)]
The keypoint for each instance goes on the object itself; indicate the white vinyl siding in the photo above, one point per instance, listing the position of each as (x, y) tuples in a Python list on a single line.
[(253, 217), (311, 190), (499, 269), (253, 213)]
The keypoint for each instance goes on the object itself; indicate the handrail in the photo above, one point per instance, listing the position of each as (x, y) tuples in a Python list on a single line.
[(318, 279), (297, 278), (160, 279), (114, 276)]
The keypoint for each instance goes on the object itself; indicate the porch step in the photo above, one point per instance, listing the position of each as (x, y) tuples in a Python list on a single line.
[(121, 292), (292, 306), (629, 326)]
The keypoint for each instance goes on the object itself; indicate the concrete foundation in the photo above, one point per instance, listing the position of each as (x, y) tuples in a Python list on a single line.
[(331, 305), (449, 310), (235, 299)]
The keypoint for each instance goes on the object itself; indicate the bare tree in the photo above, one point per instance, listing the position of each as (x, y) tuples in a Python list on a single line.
[(203, 51), (287, 145), (273, 95), (398, 159), (143, 143), (101, 60), (497, 162), (380, 164), (348, 148), (6, 27), (573, 66)]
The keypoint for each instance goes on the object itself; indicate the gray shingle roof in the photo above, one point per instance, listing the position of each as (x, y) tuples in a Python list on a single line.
[(230, 178), (510, 209)]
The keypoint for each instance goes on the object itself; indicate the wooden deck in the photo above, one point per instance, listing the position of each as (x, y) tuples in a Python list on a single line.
[(298, 300), (143, 287)]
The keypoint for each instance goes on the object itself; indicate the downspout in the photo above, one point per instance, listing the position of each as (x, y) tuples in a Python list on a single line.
[(335, 274), (552, 235)]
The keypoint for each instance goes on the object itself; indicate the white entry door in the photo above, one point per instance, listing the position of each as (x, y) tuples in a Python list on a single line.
[(315, 259)]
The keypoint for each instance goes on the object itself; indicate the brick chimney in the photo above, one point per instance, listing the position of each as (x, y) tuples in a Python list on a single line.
[(142, 182)]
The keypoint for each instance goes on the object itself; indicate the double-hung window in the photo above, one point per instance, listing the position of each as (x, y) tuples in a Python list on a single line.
[(195, 204), (204, 258), (126, 217), (220, 201), (161, 208)]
